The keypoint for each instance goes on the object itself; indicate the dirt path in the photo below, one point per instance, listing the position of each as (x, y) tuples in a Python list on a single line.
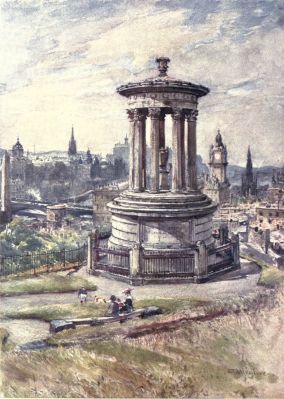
[(240, 282)]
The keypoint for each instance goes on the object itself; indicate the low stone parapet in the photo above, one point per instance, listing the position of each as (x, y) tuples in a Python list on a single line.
[(60, 325)]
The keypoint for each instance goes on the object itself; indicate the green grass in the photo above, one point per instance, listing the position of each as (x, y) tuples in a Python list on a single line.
[(92, 309), (271, 277), (42, 284), (210, 359), (126, 353), (259, 262), (59, 311)]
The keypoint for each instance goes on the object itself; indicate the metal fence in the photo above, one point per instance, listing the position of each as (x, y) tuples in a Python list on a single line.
[(224, 256), (167, 265), (40, 262), (113, 261)]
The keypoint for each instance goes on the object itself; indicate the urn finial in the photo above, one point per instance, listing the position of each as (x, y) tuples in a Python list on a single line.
[(163, 65)]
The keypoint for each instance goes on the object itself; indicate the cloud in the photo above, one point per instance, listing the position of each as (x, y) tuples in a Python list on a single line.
[(64, 59)]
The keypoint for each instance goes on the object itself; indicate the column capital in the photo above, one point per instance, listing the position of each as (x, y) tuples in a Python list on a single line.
[(130, 114), (191, 115), (177, 114), (139, 115), (154, 113)]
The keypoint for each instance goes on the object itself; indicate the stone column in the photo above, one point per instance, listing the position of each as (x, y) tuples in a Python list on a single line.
[(191, 172), (162, 130), (5, 187), (139, 150), (182, 155), (130, 113), (202, 259), (164, 183), (236, 249), (154, 114), (177, 150), (144, 158), (134, 260), (90, 264), (93, 253)]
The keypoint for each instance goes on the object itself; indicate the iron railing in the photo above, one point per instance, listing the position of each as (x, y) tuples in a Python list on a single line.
[(36, 262), (113, 261), (224, 257), (167, 264)]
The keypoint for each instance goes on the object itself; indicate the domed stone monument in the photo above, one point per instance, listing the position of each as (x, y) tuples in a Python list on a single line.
[(166, 225)]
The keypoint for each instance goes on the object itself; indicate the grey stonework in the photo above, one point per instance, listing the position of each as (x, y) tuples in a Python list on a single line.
[(164, 233)]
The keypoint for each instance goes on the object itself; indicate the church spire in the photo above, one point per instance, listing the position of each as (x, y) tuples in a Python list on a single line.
[(72, 149), (249, 167)]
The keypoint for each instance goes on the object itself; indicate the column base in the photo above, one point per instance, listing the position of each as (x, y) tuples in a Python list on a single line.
[(137, 190)]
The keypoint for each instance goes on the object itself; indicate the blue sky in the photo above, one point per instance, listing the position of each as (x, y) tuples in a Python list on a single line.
[(61, 62)]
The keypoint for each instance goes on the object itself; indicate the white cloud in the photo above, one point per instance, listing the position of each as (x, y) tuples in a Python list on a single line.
[(66, 70)]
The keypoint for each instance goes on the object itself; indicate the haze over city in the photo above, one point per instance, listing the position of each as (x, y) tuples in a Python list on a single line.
[(62, 61)]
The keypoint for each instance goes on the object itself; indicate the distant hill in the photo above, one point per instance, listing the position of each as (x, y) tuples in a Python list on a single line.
[(264, 174)]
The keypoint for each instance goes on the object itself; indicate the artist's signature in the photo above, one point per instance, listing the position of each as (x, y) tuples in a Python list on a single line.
[(249, 372)]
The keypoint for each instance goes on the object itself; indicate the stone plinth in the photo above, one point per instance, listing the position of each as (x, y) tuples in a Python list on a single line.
[(165, 227), (159, 221)]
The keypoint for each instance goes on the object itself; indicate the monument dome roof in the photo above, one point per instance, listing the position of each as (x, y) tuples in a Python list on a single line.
[(162, 83)]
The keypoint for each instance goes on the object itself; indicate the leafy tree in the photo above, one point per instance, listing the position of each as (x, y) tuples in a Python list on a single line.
[(19, 237)]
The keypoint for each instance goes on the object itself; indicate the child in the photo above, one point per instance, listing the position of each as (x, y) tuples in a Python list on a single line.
[(82, 294)]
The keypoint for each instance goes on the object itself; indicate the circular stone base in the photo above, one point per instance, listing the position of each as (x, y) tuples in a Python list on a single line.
[(162, 221), (163, 204)]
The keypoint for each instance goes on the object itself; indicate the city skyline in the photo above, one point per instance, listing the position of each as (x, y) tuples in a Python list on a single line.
[(64, 61)]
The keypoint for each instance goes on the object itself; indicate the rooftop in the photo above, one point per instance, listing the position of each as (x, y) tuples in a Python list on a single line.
[(162, 83)]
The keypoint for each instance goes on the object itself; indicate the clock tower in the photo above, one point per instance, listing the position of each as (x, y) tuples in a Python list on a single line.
[(218, 159), (217, 184)]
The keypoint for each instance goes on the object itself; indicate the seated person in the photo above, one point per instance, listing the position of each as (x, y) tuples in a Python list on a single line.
[(128, 300), (113, 307)]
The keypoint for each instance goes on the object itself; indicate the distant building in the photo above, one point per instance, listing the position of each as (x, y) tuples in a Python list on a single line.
[(216, 184), (249, 179), (271, 213), (278, 178), (19, 163), (121, 151), (102, 196), (270, 216), (72, 148), (6, 209), (89, 158)]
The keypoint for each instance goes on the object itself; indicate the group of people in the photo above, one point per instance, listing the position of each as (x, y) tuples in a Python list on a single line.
[(115, 305)]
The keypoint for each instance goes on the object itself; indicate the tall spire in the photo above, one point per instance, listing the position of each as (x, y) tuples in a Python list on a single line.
[(89, 158), (249, 167), (72, 149)]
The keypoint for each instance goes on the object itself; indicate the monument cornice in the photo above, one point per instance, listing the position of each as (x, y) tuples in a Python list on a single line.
[(160, 85)]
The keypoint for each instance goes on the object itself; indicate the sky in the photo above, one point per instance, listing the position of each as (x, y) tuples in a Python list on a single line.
[(61, 61)]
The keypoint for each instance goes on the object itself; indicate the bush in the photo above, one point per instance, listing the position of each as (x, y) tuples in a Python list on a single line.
[(19, 237)]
